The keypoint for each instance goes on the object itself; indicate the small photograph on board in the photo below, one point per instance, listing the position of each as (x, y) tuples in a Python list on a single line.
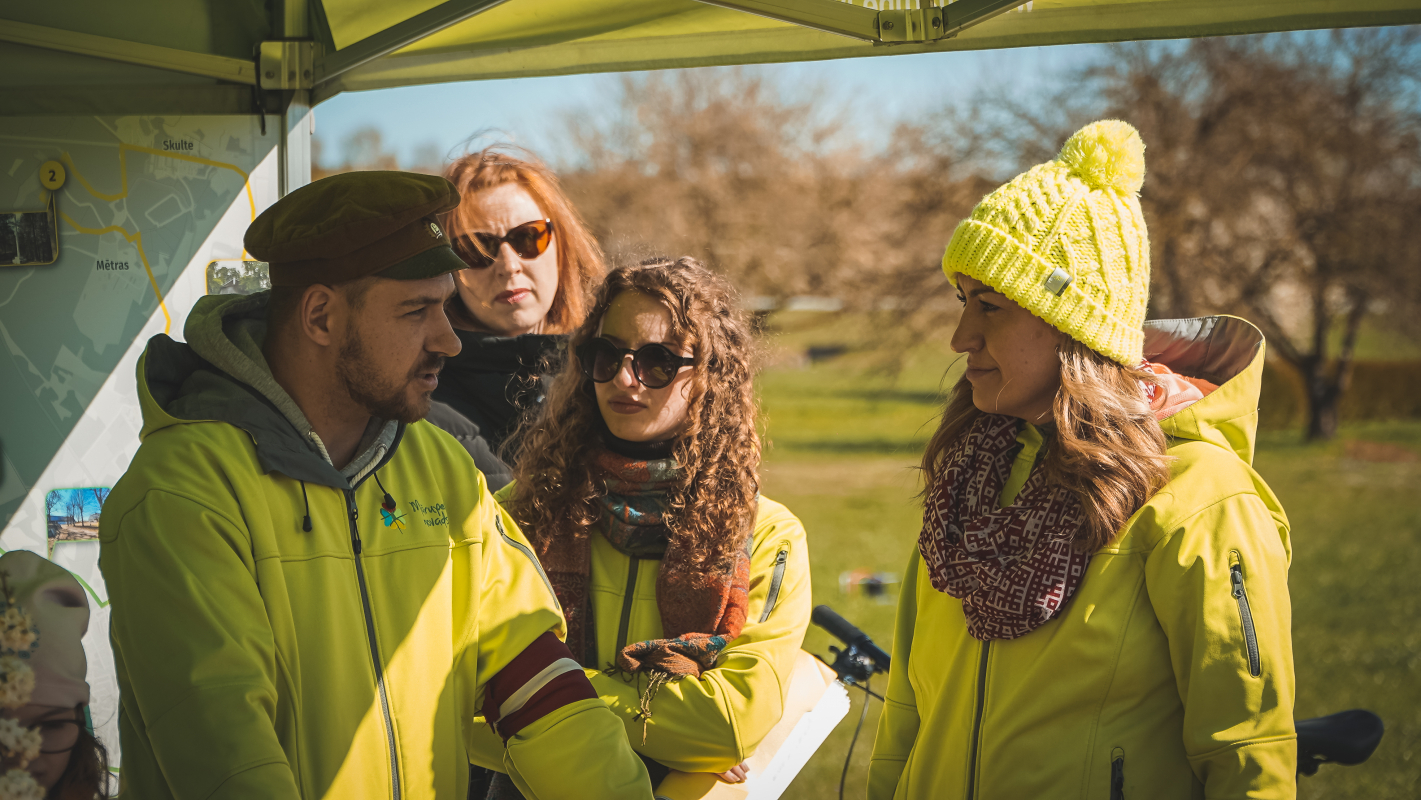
[(231, 276), (28, 238), (73, 514)]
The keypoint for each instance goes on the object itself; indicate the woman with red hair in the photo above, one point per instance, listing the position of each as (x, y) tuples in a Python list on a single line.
[(531, 266)]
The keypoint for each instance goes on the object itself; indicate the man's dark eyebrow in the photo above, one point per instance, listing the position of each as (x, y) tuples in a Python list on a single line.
[(982, 290), (427, 300)]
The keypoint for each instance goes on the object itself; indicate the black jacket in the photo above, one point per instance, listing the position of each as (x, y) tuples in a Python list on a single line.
[(485, 390)]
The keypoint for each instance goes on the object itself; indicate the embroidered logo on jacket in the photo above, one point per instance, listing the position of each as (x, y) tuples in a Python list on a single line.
[(392, 518)]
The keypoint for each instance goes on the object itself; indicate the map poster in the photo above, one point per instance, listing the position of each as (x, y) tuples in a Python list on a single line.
[(147, 202)]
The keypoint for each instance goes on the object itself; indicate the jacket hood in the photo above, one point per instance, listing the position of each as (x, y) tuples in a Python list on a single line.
[(1225, 351), (220, 375)]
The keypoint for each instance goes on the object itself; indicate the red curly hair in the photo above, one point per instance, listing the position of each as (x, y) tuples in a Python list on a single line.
[(712, 506)]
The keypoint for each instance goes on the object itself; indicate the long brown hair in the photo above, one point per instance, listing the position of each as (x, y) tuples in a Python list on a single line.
[(580, 261), (712, 505), (86, 776), (1107, 448)]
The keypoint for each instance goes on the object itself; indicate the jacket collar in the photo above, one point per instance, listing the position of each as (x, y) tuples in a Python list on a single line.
[(220, 375)]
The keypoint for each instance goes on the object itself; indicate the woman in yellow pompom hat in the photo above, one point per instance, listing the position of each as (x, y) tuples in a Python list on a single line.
[(1098, 603)]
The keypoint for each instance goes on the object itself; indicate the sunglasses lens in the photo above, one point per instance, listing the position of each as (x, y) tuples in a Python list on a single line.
[(530, 239), (601, 362), (475, 253), (656, 366)]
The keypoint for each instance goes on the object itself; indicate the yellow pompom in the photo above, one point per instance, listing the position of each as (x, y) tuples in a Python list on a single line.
[(1108, 153)]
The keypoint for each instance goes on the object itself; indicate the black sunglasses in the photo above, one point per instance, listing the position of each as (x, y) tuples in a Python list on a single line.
[(528, 240), (654, 365)]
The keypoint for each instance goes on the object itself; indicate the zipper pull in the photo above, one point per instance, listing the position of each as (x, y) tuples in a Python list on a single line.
[(782, 557), (354, 529), (1236, 576)]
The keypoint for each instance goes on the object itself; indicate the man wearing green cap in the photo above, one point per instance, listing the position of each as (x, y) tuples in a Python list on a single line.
[(314, 595)]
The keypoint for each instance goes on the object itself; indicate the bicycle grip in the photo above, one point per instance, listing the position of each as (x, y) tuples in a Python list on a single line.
[(843, 630)]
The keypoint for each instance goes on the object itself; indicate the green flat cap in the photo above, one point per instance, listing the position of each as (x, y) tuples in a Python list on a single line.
[(357, 224)]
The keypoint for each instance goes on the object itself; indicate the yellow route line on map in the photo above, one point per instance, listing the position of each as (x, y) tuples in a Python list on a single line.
[(137, 238)]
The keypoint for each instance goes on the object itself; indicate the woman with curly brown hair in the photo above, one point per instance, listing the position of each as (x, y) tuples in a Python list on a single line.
[(686, 592), (531, 267)]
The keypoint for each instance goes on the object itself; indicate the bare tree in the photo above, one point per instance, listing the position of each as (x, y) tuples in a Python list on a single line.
[(75, 506), (100, 494), (1284, 173), (720, 165), (51, 510)]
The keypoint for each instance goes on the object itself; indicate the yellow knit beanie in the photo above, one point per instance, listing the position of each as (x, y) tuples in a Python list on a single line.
[(1066, 241)]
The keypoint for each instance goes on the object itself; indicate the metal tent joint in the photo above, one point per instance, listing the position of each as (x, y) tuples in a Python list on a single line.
[(286, 64), (925, 23), (910, 25)]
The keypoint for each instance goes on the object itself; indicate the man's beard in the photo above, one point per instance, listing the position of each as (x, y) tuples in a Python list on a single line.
[(384, 399)]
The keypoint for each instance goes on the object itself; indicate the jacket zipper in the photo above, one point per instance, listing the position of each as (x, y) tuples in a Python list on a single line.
[(775, 580), (632, 569), (1117, 774), (374, 648), (1245, 613), (977, 722)]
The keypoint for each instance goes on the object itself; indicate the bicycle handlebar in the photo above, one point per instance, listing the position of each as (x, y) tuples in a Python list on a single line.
[(1347, 737), (860, 657)]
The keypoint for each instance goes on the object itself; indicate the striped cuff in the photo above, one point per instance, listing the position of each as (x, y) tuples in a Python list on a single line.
[(541, 679)]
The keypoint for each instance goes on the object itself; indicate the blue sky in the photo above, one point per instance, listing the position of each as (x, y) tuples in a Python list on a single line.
[(530, 111)]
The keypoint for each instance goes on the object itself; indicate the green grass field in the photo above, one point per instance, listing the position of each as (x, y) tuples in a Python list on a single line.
[(843, 447)]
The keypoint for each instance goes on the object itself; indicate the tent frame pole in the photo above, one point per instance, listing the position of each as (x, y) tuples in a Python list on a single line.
[(291, 20), (207, 65), (450, 12)]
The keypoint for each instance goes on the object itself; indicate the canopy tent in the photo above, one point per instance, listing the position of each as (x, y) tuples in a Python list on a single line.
[(202, 56), (177, 121)]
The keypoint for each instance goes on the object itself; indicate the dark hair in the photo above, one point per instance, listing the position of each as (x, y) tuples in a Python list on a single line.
[(580, 261), (286, 300), (713, 503), (86, 776)]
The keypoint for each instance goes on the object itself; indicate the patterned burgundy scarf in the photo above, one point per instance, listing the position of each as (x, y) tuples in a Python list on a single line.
[(1013, 568)]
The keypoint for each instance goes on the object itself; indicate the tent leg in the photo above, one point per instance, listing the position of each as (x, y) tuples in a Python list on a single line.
[(294, 158)]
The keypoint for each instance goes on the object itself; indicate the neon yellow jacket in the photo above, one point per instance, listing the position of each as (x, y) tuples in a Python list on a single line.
[(1170, 672), (712, 723), (256, 659)]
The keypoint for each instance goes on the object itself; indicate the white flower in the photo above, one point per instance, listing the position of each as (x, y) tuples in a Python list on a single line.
[(17, 784), (17, 682), (20, 744), (16, 630)]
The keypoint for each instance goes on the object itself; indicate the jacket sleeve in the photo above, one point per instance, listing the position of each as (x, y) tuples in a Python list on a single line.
[(715, 722), (1219, 579), (198, 655), (572, 750), (898, 725)]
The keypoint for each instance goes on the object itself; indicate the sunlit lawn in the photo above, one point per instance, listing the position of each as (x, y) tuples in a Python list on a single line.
[(844, 447)]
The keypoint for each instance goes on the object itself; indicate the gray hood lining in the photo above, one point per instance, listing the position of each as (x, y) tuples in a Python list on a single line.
[(1216, 349)]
